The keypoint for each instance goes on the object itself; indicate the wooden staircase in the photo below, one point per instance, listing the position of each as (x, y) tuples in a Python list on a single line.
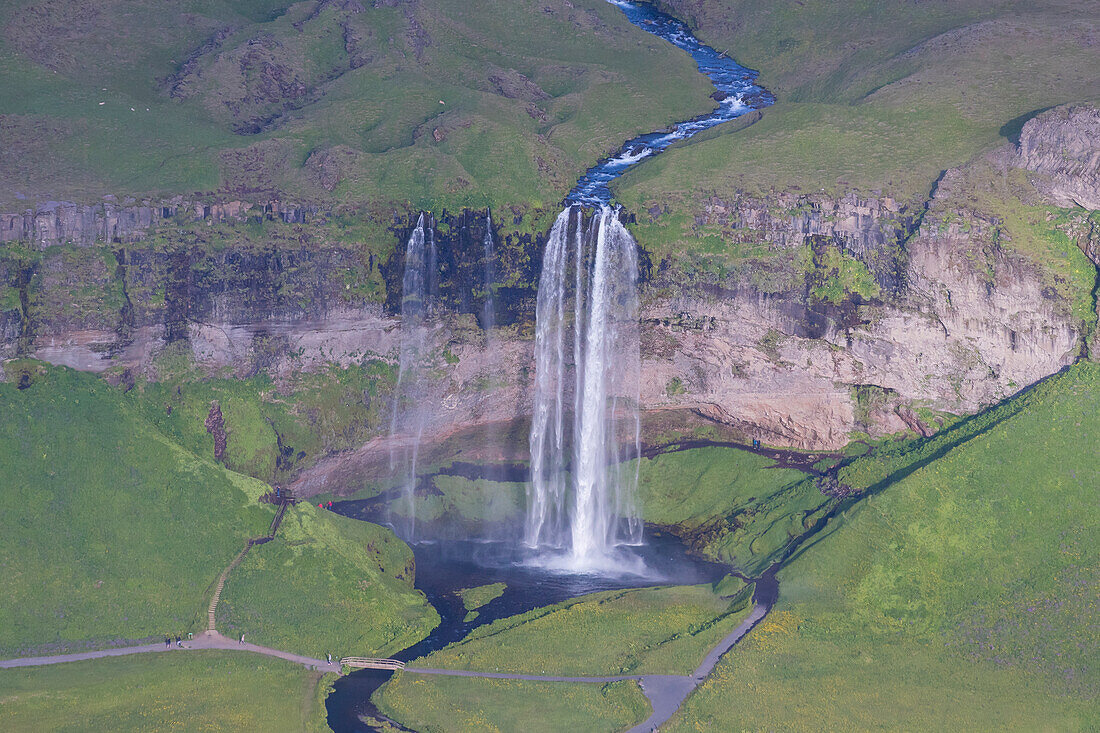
[(210, 624), (285, 500)]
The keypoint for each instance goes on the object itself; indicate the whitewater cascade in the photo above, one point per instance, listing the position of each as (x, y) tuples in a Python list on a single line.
[(419, 293), (580, 499)]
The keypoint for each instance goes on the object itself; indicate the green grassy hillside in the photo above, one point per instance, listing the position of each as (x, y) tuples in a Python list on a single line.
[(963, 596), (728, 504), (439, 704), (208, 690), (111, 531), (327, 584), (663, 630), (436, 102)]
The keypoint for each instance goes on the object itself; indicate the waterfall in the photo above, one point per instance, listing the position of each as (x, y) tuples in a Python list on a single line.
[(419, 291), (579, 499), (488, 310)]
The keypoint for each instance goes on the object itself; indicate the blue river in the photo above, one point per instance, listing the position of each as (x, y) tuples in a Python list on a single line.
[(737, 92)]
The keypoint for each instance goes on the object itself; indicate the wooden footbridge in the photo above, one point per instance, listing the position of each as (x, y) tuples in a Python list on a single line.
[(371, 663)]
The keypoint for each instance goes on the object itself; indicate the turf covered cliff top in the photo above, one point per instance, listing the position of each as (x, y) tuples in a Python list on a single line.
[(878, 95)]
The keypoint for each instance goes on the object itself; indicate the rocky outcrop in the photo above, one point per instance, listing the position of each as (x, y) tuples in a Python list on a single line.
[(870, 229), (781, 348), (215, 426), (112, 221), (1060, 146)]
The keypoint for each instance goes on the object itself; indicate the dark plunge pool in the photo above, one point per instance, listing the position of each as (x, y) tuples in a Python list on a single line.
[(444, 566)]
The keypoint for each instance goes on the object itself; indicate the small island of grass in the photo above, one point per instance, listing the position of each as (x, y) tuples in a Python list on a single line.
[(478, 596)]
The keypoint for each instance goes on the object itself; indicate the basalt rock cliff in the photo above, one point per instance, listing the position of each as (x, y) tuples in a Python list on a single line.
[(863, 315)]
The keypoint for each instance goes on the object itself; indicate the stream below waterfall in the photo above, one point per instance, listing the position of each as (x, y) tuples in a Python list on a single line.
[(446, 563)]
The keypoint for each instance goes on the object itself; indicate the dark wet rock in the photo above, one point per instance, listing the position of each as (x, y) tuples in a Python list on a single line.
[(215, 426)]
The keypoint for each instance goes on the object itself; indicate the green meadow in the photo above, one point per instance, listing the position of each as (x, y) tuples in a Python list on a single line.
[(207, 690), (963, 595), (728, 504), (503, 103), (439, 704), (664, 630)]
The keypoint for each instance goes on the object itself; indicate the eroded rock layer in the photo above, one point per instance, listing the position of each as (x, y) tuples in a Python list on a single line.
[(865, 315)]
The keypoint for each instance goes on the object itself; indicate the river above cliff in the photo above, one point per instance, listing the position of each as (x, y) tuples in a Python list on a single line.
[(737, 93)]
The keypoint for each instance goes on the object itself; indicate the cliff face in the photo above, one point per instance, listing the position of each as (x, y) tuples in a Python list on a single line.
[(969, 323), (57, 222), (1060, 149), (865, 316)]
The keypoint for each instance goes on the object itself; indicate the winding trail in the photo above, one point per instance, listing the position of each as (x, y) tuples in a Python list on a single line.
[(665, 692)]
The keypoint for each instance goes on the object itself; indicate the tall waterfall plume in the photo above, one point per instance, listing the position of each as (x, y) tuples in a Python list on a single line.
[(587, 367), (419, 293)]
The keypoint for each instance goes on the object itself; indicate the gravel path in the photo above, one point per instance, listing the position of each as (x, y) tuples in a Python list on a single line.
[(666, 693), (207, 640)]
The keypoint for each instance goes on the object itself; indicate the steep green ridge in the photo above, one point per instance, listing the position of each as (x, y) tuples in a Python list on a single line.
[(969, 586), (876, 96), (110, 531), (433, 102), (439, 704), (208, 690)]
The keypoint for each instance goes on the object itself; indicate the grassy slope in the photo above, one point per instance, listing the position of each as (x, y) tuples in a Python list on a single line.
[(732, 505), (875, 97), (888, 94), (327, 584), (663, 630), (108, 530), (111, 531), (444, 704), (209, 691), (969, 586), (314, 414), (601, 81)]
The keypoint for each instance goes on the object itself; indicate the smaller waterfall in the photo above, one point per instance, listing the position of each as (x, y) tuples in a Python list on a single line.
[(579, 498), (488, 308), (419, 293), (492, 361)]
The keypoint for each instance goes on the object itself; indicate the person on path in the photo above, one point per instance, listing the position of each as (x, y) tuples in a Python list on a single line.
[(167, 642), (179, 642), (242, 639)]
